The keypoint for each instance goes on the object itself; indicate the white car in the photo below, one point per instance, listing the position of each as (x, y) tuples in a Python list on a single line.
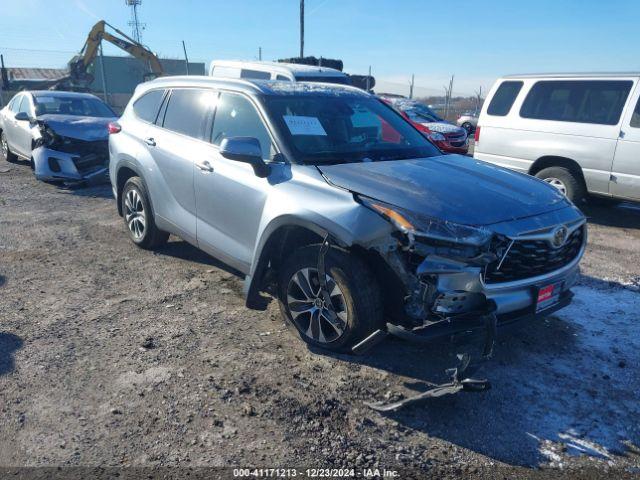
[(578, 132), (288, 72)]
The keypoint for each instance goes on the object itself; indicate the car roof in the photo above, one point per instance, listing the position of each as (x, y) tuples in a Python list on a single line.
[(254, 86), (293, 68), (574, 75), (59, 94)]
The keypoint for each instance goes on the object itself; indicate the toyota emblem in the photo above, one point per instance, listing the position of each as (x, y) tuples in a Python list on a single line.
[(559, 237)]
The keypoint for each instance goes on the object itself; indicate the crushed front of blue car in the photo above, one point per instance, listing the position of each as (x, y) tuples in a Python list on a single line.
[(71, 150)]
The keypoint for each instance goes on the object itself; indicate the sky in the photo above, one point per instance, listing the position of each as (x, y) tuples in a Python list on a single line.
[(477, 41)]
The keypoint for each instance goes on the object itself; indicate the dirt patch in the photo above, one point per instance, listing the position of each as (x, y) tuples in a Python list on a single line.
[(115, 356)]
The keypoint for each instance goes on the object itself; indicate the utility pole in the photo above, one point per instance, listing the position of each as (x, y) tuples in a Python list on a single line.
[(104, 77), (369, 79), (411, 83), (260, 53), (186, 59), (135, 23), (301, 28), (478, 98)]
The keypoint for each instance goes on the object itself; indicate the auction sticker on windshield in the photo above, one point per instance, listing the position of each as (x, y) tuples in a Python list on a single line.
[(299, 125)]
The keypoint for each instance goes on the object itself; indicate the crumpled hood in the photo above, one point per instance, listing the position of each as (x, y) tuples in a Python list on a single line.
[(81, 128), (450, 187), (442, 127)]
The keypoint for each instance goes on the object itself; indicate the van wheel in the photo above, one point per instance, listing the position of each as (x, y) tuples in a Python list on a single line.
[(565, 181), (6, 152), (138, 216), (355, 308)]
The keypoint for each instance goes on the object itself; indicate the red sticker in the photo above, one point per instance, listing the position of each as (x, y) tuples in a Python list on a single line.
[(545, 293)]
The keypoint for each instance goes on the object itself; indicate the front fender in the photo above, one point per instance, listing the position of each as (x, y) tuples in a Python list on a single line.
[(358, 226)]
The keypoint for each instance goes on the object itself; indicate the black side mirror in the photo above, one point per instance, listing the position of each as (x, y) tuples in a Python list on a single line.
[(23, 117), (246, 150)]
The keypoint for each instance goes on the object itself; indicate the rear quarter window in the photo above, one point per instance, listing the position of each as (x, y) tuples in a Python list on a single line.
[(256, 74), (146, 107), (580, 101), (504, 97)]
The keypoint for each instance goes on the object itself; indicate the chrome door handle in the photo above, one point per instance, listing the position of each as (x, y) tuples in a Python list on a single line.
[(205, 166), (150, 141)]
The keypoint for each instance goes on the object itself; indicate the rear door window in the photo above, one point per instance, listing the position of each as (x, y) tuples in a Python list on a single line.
[(146, 107), (188, 111), (504, 97), (581, 101), (635, 118)]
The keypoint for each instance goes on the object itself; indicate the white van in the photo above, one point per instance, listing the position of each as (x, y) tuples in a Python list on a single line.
[(291, 72), (578, 132)]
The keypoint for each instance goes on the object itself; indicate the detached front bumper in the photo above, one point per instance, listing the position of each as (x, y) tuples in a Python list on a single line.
[(54, 165), (468, 300)]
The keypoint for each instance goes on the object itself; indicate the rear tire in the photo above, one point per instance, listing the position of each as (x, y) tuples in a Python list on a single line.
[(6, 151), (138, 216), (566, 181), (354, 294)]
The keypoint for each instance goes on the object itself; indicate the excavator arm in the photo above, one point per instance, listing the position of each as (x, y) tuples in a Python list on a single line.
[(78, 67)]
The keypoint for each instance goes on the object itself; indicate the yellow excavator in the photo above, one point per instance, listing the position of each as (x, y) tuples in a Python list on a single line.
[(80, 78)]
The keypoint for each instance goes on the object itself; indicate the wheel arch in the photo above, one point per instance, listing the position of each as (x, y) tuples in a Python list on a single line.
[(283, 234), (557, 161), (124, 173)]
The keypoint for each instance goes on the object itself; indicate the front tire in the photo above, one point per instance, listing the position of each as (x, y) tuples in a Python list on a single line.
[(138, 217), (6, 151), (566, 181), (468, 127), (353, 292)]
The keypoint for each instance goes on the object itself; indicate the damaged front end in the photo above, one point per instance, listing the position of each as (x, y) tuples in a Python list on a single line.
[(440, 264), (68, 159)]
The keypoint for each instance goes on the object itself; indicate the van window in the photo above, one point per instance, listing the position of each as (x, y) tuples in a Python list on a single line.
[(504, 97), (581, 101), (237, 117), (282, 77), (222, 71), (187, 111), (257, 74), (635, 118), (146, 107)]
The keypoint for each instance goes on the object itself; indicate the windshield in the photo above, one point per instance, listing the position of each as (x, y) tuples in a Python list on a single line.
[(345, 128), (66, 105)]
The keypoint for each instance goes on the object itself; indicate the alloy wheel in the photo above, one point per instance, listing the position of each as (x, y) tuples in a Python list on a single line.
[(317, 320), (559, 184), (135, 214)]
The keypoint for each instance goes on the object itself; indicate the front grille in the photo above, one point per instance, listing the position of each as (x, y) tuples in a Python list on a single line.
[(530, 258)]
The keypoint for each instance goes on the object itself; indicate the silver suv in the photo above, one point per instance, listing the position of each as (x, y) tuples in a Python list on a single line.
[(328, 200)]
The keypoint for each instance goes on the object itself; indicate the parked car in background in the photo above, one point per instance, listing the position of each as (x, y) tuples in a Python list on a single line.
[(448, 138), (288, 72), (299, 188), (468, 121), (63, 135), (578, 132)]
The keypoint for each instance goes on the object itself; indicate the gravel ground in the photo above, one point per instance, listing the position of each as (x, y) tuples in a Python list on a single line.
[(115, 356)]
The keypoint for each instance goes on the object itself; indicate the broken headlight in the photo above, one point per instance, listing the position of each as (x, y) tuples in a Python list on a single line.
[(428, 228), (48, 137)]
